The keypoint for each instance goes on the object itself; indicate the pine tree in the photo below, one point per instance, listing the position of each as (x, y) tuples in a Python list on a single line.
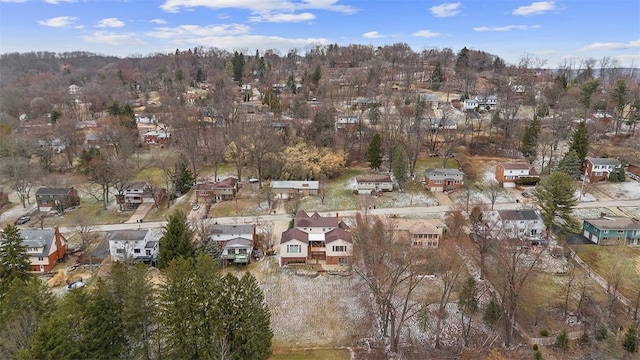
[(492, 313), (530, 139), (183, 177), (556, 198), (374, 152), (399, 166), (238, 66), (622, 177), (14, 261), (562, 340), (317, 75), (571, 165), (631, 338), (437, 77), (102, 329), (580, 141), (176, 241)]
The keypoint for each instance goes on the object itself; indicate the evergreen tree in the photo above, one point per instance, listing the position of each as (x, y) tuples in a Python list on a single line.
[(622, 177), (374, 152), (631, 338), (562, 340), (586, 90), (613, 176), (374, 114), (317, 75), (468, 305), (492, 313), (437, 77), (399, 166), (556, 198), (14, 261), (102, 329), (530, 139), (182, 177), (571, 165), (580, 141), (176, 241), (238, 66)]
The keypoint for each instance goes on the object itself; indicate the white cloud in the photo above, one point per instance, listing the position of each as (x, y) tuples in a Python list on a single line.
[(373, 35), (158, 21), (426, 33), (446, 9), (260, 6), (60, 21), (634, 44), (195, 31), (13, 1), (110, 23), (536, 8), (280, 18), (110, 38), (505, 28), (57, 2)]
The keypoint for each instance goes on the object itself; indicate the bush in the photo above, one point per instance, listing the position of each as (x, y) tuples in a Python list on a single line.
[(535, 347), (538, 355), (562, 340), (602, 332), (528, 181), (544, 332)]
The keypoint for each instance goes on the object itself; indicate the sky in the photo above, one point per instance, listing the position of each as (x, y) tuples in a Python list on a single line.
[(550, 32)]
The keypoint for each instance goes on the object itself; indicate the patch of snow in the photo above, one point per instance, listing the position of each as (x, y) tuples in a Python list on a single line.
[(586, 197), (626, 190)]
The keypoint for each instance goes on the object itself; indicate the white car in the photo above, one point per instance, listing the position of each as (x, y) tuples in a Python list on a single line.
[(195, 207), (75, 285), (253, 180)]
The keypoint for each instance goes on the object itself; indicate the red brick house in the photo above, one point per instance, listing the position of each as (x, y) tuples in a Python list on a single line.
[(443, 179), (156, 137), (49, 199), (598, 169), (45, 248), (508, 173), (211, 192)]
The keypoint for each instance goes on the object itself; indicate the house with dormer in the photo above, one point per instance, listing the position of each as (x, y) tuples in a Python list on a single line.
[(45, 248), (487, 102), (316, 239)]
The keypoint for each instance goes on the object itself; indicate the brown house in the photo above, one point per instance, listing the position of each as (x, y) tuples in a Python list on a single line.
[(60, 199), (45, 248), (211, 192), (508, 173)]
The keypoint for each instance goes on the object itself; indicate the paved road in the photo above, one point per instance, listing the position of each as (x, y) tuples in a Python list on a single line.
[(423, 210)]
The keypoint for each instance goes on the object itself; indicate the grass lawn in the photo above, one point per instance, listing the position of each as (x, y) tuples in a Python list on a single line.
[(320, 354), (153, 175), (339, 194), (92, 208), (424, 163)]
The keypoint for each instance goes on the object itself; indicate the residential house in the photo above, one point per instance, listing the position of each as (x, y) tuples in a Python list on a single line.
[(156, 137), (236, 242), (598, 169), (470, 105), (365, 103), (288, 189), (443, 179), (133, 245), (314, 238), (612, 230), (138, 193), (422, 232), (54, 145), (442, 124), (58, 199), (430, 99), (211, 192), (74, 89), (348, 122), (633, 171), (487, 102), (45, 247), (526, 225), (508, 173), (93, 141), (145, 119), (374, 183)]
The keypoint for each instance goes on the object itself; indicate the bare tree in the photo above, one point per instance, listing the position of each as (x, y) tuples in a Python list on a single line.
[(84, 227), (481, 224)]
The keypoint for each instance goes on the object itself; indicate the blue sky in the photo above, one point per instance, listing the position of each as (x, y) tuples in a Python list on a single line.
[(553, 31)]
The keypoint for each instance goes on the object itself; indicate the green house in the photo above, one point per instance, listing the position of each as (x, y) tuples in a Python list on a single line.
[(612, 230)]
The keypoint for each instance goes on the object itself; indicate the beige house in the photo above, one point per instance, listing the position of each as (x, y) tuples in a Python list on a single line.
[(422, 232), (374, 183)]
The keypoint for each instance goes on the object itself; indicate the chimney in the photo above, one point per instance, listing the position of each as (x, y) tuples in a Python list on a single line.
[(602, 214)]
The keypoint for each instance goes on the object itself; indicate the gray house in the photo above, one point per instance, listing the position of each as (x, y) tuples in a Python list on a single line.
[(443, 179)]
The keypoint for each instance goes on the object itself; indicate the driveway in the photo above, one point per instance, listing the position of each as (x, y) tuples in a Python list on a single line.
[(442, 198), (140, 213), (577, 239)]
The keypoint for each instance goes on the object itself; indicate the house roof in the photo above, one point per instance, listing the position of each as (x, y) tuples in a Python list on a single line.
[(150, 244), (517, 215), (374, 178), (294, 234), (443, 172), (303, 220), (515, 166), (127, 235), (238, 242), (418, 226), (41, 238), (53, 191), (615, 223), (232, 229), (137, 186), (293, 184), (603, 161), (337, 234)]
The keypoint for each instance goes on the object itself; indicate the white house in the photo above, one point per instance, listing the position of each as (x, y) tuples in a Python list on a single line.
[(487, 102), (286, 189), (508, 173), (469, 104), (430, 99), (367, 184), (74, 89), (346, 121), (223, 233), (519, 224), (145, 119), (133, 245)]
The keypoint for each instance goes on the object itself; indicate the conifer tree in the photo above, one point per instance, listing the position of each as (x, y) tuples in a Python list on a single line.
[(14, 261), (374, 152), (102, 328), (580, 141), (571, 164), (176, 241), (530, 139), (399, 166), (556, 198)]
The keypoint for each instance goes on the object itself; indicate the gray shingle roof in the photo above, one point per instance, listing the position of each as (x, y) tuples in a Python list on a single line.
[(603, 161), (38, 238)]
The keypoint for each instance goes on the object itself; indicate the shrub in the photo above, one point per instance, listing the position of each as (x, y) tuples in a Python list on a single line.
[(562, 340), (528, 181), (544, 332), (631, 338), (535, 347), (538, 355), (602, 332)]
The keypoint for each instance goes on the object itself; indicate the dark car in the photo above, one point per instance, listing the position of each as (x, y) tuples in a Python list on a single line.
[(23, 220)]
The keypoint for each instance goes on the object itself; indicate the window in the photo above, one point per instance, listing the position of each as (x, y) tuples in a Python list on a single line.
[(339, 248), (147, 252), (438, 181), (620, 231), (119, 251), (242, 251), (136, 251), (40, 259), (294, 249), (343, 261)]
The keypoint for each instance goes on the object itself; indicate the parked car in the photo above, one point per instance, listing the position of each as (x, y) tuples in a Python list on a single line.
[(526, 194), (253, 180), (23, 220), (75, 285), (195, 207)]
